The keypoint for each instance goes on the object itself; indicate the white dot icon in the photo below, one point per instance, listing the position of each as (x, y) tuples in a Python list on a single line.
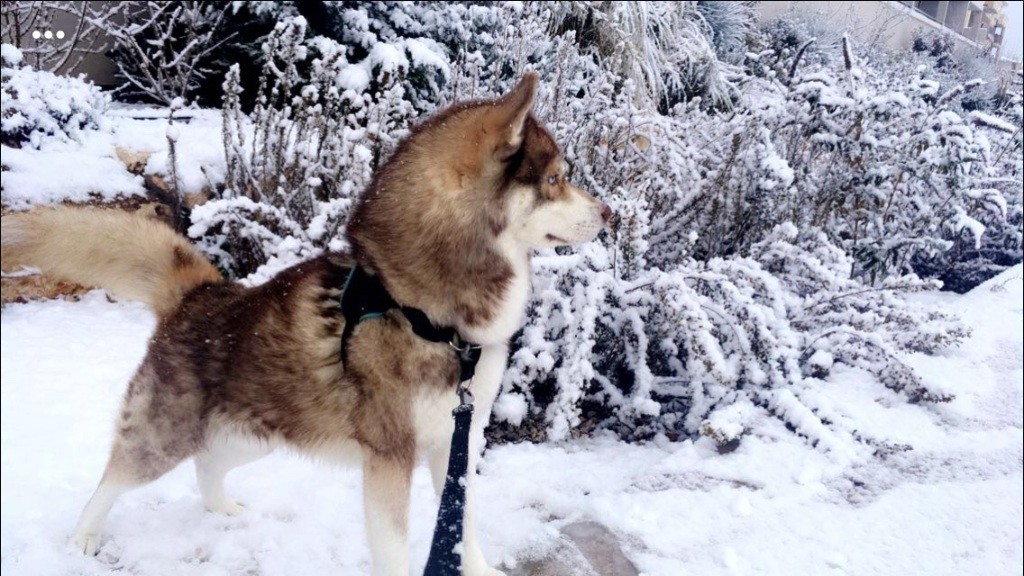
[(60, 33), (37, 34), (48, 34)]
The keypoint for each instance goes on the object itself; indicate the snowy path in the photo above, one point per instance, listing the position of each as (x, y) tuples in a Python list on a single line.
[(953, 505)]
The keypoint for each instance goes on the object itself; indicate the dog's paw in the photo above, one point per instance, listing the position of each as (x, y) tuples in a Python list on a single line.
[(226, 507), (87, 543)]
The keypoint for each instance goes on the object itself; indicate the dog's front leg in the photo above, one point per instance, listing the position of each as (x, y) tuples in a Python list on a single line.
[(386, 483)]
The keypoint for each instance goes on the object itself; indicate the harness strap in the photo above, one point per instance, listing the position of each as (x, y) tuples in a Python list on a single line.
[(364, 297)]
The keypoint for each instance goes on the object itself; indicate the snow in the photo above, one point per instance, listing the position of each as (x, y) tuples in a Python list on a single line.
[(84, 170), (198, 146), (951, 505), (424, 52), (66, 171), (389, 58), (962, 221), (11, 54), (992, 121), (354, 77), (821, 359)]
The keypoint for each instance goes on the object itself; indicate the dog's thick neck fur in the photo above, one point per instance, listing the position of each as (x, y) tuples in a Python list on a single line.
[(456, 260)]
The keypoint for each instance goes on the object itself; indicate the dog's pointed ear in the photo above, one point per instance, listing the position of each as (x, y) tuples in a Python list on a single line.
[(514, 109)]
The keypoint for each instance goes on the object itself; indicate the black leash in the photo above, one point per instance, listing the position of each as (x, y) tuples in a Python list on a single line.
[(446, 549), (364, 297)]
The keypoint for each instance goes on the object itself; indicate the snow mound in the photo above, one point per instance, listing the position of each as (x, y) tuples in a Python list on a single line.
[(66, 171), (36, 105)]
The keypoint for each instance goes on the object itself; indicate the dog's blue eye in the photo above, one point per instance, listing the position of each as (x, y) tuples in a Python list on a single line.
[(552, 180)]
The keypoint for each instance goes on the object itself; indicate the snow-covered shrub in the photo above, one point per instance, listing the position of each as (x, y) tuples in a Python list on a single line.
[(327, 112), (743, 263), (239, 42), (853, 323), (309, 145), (649, 332), (414, 40), (886, 167), (711, 347), (664, 48), (784, 44), (292, 165), (970, 262), (162, 49), (37, 104), (939, 46), (950, 65), (204, 39), (731, 24)]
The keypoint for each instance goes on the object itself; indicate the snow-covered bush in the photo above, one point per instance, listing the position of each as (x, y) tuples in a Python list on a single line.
[(887, 167), (752, 251), (287, 163), (782, 45), (327, 112), (36, 104), (665, 48), (970, 262), (309, 145), (639, 336), (731, 25), (239, 42), (939, 46), (651, 331), (710, 347)]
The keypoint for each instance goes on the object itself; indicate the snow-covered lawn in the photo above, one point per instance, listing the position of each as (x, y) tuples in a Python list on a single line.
[(952, 505)]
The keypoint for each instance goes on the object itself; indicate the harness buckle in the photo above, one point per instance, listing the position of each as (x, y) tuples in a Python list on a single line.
[(458, 344), (464, 349)]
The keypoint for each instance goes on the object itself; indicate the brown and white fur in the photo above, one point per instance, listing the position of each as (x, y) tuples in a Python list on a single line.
[(448, 224)]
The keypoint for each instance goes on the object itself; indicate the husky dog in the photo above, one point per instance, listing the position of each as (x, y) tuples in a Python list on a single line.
[(447, 226)]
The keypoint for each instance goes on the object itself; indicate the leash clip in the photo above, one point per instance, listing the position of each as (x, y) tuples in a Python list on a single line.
[(465, 396), (468, 354)]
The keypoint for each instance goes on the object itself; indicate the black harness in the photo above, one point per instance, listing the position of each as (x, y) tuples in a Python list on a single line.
[(364, 297)]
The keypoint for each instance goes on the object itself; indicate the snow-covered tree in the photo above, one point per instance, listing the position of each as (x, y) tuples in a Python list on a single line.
[(162, 49), (29, 25)]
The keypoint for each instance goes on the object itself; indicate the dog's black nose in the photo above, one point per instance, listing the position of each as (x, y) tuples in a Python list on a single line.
[(606, 212)]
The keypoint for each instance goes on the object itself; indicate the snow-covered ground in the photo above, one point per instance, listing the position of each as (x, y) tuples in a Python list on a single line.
[(42, 176), (952, 505)]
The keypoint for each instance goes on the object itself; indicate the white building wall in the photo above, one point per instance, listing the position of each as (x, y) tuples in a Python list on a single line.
[(886, 24)]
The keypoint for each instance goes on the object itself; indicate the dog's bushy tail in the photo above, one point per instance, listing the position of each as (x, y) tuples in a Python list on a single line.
[(130, 255)]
